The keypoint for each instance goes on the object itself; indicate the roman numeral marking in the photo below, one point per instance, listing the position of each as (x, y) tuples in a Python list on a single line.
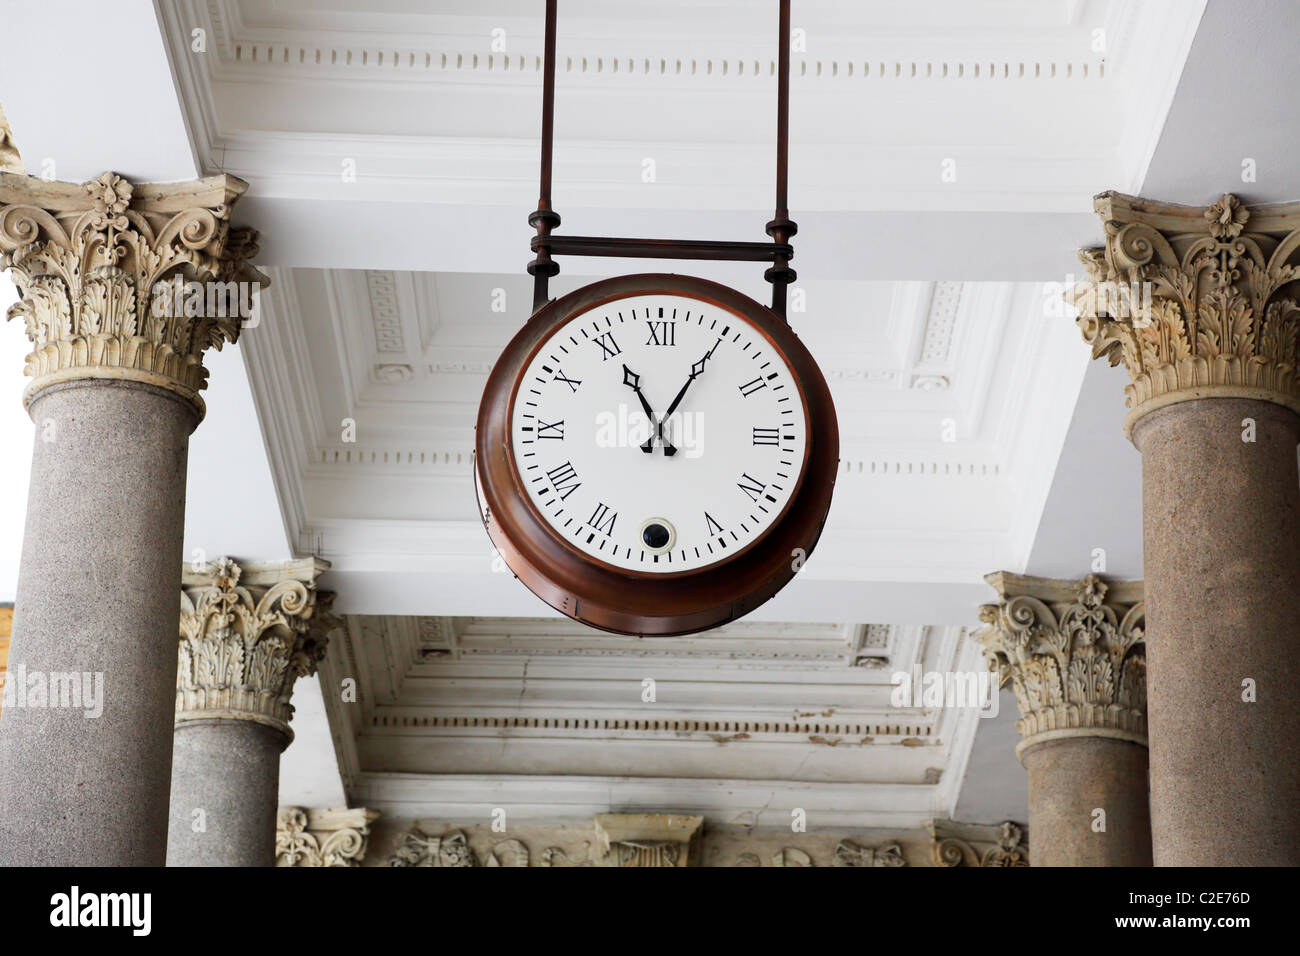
[(713, 526), (553, 430), (762, 436), (564, 480), (573, 383), (750, 486), (662, 333), (602, 519), (749, 388), (608, 347)]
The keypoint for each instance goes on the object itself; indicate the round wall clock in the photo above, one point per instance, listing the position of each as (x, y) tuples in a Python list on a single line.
[(655, 454)]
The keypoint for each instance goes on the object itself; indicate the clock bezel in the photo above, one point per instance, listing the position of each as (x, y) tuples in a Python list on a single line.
[(632, 601)]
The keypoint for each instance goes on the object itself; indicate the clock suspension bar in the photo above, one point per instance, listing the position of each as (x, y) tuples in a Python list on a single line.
[(781, 228)]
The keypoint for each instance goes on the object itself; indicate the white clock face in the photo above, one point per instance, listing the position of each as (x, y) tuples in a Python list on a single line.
[(659, 433)]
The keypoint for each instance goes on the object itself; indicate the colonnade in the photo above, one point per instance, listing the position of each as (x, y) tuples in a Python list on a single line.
[(1187, 677)]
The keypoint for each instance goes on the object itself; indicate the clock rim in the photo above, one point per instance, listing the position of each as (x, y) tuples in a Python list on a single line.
[(563, 318), (624, 600)]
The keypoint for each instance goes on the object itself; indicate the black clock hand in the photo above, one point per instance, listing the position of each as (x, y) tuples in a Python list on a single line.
[(696, 370), (633, 381)]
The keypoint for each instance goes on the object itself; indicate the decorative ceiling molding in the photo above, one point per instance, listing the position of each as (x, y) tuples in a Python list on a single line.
[(940, 322), (535, 799), (385, 311), (745, 704), (952, 74)]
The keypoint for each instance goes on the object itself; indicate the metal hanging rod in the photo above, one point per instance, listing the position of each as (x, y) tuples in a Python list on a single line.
[(781, 228)]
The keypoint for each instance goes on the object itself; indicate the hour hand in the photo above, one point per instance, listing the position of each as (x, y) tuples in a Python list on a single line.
[(633, 381)]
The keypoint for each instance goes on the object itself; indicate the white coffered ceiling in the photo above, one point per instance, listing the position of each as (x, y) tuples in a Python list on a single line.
[(385, 135), (953, 400), (552, 720)]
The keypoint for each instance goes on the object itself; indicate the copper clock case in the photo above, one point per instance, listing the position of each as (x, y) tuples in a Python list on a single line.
[(629, 601)]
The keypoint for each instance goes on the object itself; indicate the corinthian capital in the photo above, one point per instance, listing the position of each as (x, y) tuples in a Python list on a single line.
[(1194, 300), (1075, 653), (112, 277), (247, 634)]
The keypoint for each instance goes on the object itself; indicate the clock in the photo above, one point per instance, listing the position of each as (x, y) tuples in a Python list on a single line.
[(655, 454)]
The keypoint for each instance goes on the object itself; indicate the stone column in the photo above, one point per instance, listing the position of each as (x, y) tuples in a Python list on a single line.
[(116, 363), (246, 635), (1073, 651), (1200, 305)]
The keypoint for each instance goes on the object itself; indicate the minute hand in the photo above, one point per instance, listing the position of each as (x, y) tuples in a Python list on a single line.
[(696, 370)]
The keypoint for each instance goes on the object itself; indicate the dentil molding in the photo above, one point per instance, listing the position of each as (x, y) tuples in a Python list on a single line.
[(247, 633), (1191, 300), (95, 265), (310, 837), (1074, 651)]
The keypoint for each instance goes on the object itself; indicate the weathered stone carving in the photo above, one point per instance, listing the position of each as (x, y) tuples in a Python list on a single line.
[(960, 844), (1191, 300), (9, 159), (791, 856), (850, 854), (557, 856), (1076, 657), (508, 853), (246, 635), (417, 849), (310, 837), (102, 268), (647, 839)]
